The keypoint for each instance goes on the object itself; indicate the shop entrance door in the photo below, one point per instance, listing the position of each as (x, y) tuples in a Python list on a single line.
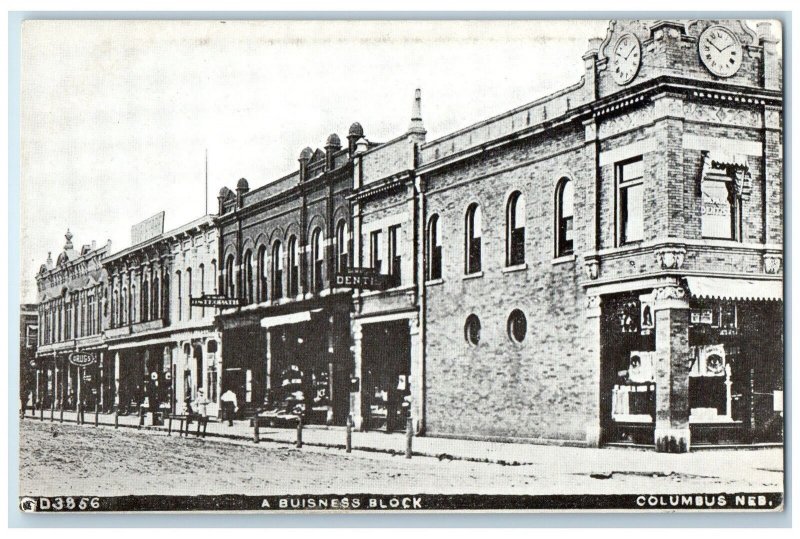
[(386, 349)]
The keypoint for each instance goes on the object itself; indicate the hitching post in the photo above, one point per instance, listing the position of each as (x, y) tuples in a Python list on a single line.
[(61, 411), (41, 411), (96, 413), (116, 418), (141, 417), (409, 436), (299, 442), (255, 429), (348, 446), (52, 409)]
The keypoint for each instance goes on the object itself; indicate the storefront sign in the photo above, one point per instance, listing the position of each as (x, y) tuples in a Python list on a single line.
[(215, 300), (363, 279), (81, 359)]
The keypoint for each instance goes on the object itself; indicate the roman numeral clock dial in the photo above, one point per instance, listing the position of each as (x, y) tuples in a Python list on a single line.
[(720, 51), (626, 59)]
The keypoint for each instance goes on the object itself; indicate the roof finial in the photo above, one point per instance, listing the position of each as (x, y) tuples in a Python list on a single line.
[(68, 245), (416, 115)]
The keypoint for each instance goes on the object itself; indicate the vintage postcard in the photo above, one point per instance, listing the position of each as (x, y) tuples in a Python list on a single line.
[(521, 265)]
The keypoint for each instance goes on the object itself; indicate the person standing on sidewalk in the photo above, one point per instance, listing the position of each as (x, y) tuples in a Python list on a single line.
[(201, 403), (229, 406)]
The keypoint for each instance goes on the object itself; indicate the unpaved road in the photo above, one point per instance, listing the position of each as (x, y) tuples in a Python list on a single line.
[(63, 459)]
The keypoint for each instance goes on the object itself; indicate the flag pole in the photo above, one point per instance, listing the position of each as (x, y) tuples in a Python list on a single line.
[(206, 181)]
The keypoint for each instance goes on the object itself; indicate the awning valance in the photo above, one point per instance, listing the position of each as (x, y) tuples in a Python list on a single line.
[(286, 319), (741, 289)]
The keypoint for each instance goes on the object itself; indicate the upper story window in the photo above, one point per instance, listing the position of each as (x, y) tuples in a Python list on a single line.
[(145, 301), (132, 305), (189, 292), (630, 182), (515, 230), (342, 246), (261, 272), (434, 258), (472, 237), (230, 281), (294, 268), (202, 269), (247, 279), (156, 303), (375, 260), (179, 289), (395, 261), (317, 259), (721, 208), (277, 270), (565, 217)]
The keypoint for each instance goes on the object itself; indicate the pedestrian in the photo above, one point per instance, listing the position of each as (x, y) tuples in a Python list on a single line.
[(230, 406), (201, 403)]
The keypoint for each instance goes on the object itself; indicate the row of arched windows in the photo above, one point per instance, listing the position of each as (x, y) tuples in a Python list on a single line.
[(262, 274), (515, 227)]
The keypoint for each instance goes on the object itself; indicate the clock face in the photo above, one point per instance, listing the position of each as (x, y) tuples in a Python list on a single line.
[(720, 51), (626, 59)]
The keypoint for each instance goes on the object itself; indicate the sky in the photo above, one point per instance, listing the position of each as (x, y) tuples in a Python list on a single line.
[(117, 116)]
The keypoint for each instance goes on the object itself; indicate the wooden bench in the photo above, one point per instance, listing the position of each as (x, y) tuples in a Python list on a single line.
[(186, 420)]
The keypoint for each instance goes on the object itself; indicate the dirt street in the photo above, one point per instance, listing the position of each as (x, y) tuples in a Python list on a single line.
[(61, 459)]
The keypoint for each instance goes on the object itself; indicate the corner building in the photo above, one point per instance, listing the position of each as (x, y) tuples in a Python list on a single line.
[(602, 265)]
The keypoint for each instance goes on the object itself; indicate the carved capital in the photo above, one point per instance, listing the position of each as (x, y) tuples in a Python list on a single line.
[(670, 257), (593, 302), (669, 292), (592, 268), (773, 263)]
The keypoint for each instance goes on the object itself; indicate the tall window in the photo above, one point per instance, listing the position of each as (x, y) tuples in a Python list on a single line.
[(565, 212), (230, 286), (261, 272), (277, 270), (631, 201), (342, 238), (179, 288), (248, 277), (202, 286), (90, 314), (472, 235), (317, 259), (145, 301), (167, 301), (515, 230), (156, 302), (294, 268), (189, 293), (132, 305), (720, 208), (395, 260), (434, 257), (375, 260), (214, 274), (115, 308)]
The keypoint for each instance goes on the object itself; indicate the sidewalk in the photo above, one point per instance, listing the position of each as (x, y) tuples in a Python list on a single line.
[(596, 461)]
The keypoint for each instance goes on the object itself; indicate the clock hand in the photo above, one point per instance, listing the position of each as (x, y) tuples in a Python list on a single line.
[(712, 44), (630, 52), (728, 47)]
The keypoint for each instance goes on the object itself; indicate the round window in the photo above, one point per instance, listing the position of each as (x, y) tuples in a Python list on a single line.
[(517, 326), (472, 330)]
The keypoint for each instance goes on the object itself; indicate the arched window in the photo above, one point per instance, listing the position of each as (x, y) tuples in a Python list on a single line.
[(515, 230), (115, 308), (214, 274), (166, 301), (277, 270), (179, 289), (189, 292), (472, 243), (294, 268), (434, 248), (156, 302), (342, 250), (317, 259), (145, 301), (564, 217), (132, 305), (261, 274), (230, 286), (247, 282), (202, 286)]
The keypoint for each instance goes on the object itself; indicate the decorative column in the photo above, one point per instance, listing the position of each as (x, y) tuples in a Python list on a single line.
[(357, 407), (672, 434), (417, 380), (116, 379), (591, 339)]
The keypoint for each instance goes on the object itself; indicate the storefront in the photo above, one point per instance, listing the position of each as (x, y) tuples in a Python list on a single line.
[(728, 380)]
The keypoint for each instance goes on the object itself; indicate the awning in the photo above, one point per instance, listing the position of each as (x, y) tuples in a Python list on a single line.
[(742, 289), (286, 319)]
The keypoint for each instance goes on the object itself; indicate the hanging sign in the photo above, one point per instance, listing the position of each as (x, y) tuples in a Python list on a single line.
[(81, 359), (363, 279), (215, 300)]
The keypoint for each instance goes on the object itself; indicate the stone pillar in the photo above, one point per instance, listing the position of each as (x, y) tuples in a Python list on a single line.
[(416, 355), (357, 409), (116, 379), (672, 434), (591, 337)]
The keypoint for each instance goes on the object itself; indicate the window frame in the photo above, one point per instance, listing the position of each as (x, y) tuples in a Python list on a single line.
[(622, 195), (375, 260), (395, 265), (515, 235), (564, 224), (473, 256), (433, 270)]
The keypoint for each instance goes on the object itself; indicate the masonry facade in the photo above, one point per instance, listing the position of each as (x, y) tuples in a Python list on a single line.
[(600, 266)]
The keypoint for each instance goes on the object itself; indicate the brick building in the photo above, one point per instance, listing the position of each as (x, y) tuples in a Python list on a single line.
[(163, 350), (602, 265), (72, 299)]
